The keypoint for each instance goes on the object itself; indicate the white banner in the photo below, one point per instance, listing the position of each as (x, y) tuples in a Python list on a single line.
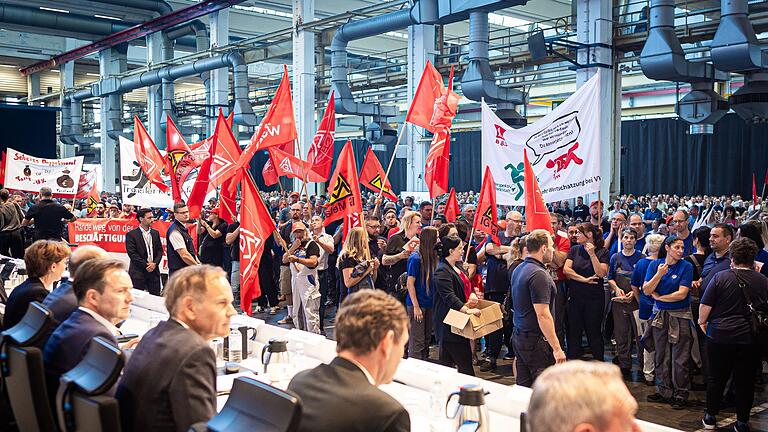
[(563, 147), (134, 185), (29, 173)]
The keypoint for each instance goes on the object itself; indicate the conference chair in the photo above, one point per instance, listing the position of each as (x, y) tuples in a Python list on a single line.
[(81, 404), (255, 406), (21, 367)]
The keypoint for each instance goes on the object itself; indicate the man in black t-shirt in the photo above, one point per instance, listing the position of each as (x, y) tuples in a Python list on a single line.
[(581, 211), (47, 216), (533, 302)]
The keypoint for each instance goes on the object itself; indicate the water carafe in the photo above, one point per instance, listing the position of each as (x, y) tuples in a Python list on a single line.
[(471, 413), (276, 360)]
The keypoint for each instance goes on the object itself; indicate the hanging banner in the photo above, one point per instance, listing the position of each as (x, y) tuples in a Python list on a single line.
[(563, 146), (29, 173), (135, 187), (109, 234)]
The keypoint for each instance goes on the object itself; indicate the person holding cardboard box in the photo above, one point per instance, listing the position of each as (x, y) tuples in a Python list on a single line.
[(452, 286)]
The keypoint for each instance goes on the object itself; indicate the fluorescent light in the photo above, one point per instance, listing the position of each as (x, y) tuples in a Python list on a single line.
[(53, 10), (55, 70), (107, 17), (92, 74), (9, 66)]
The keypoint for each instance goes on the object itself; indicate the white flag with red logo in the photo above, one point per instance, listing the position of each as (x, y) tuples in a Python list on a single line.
[(563, 146)]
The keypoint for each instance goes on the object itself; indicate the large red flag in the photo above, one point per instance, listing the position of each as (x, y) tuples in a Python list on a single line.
[(277, 127), (452, 207), (438, 161), (536, 213), (372, 176), (256, 225), (345, 191), (754, 191), (149, 157), (93, 199), (320, 155), (487, 218), (177, 152), (433, 104)]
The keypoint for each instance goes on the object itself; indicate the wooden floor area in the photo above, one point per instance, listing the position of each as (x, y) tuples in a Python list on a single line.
[(688, 419)]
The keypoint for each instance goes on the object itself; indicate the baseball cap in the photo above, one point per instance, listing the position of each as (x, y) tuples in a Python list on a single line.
[(298, 226)]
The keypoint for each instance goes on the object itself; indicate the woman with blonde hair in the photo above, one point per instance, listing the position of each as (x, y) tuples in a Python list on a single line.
[(358, 269)]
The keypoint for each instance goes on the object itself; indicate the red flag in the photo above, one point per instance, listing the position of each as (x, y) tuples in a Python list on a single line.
[(438, 160), (536, 213), (256, 225), (271, 177), (754, 191), (486, 218), (277, 127), (433, 104), (225, 153), (177, 151), (372, 175), (320, 155), (149, 157), (452, 207), (345, 192), (285, 164), (93, 199), (84, 186), (764, 182)]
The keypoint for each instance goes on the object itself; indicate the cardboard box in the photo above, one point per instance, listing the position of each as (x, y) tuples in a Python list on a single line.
[(474, 326)]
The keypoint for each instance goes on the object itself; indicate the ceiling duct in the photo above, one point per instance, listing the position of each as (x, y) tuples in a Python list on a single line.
[(243, 112), (735, 48), (420, 12), (663, 59)]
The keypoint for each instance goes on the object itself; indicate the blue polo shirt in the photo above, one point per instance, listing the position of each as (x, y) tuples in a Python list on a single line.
[(687, 244), (414, 269), (638, 277), (640, 245), (712, 266), (649, 214), (531, 284), (619, 261), (679, 274)]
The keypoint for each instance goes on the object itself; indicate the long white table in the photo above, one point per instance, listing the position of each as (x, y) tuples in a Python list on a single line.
[(412, 384)]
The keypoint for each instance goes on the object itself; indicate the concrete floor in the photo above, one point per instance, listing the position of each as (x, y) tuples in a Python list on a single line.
[(688, 419)]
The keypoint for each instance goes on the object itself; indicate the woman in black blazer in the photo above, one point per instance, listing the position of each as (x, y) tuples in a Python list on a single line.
[(453, 292)]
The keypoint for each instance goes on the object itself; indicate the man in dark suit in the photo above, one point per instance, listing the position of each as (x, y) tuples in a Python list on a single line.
[(62, 301), (170, 382), (145, 251), (343, 395), (103, 290)]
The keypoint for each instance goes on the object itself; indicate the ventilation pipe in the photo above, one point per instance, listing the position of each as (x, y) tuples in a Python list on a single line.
[(663, 59), (345, 102), (243, 112), (735, 48), (479, 82)]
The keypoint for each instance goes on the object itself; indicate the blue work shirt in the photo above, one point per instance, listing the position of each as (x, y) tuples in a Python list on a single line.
[(712, 266), (649, 214), (624, 263), (679, 274), (531, 284), (688, 248), (638, 277), (414, 269)]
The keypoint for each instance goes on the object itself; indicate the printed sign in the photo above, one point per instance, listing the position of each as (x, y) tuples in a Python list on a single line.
[(135, 187), (29, 173)]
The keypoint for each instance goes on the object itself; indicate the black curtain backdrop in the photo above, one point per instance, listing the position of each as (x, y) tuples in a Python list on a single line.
[(28, 129), (659, 156)]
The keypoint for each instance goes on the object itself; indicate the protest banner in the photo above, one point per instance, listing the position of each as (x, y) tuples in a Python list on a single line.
[(29, 173)]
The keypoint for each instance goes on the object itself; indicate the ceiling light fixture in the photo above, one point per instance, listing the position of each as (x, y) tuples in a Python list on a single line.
[(53, 9), (108, 17)]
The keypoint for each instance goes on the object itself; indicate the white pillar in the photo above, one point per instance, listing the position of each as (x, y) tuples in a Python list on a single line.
[(67, 77), (304, 81), (33, 88), (154, 93), (594, 25), (421, 47), (111, 61), (219, 77)]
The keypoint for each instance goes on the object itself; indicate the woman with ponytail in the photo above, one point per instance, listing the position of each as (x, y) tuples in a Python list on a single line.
[(453, 291)]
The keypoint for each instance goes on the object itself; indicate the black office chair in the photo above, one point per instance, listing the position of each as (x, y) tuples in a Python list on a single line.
[(255, 406), (21, 367), (81, 405)]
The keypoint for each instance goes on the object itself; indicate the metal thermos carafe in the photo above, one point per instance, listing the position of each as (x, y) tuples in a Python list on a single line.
[(275, 353), (471, 410)]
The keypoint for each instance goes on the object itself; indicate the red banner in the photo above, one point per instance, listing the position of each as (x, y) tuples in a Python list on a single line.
[(109, 234)]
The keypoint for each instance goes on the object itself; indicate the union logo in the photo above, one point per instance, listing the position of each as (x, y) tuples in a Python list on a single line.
[(341, 190), (562, 162), (500, 140)]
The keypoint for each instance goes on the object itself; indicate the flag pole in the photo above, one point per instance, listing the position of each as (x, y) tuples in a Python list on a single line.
[(469, 244), (391, 162)]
